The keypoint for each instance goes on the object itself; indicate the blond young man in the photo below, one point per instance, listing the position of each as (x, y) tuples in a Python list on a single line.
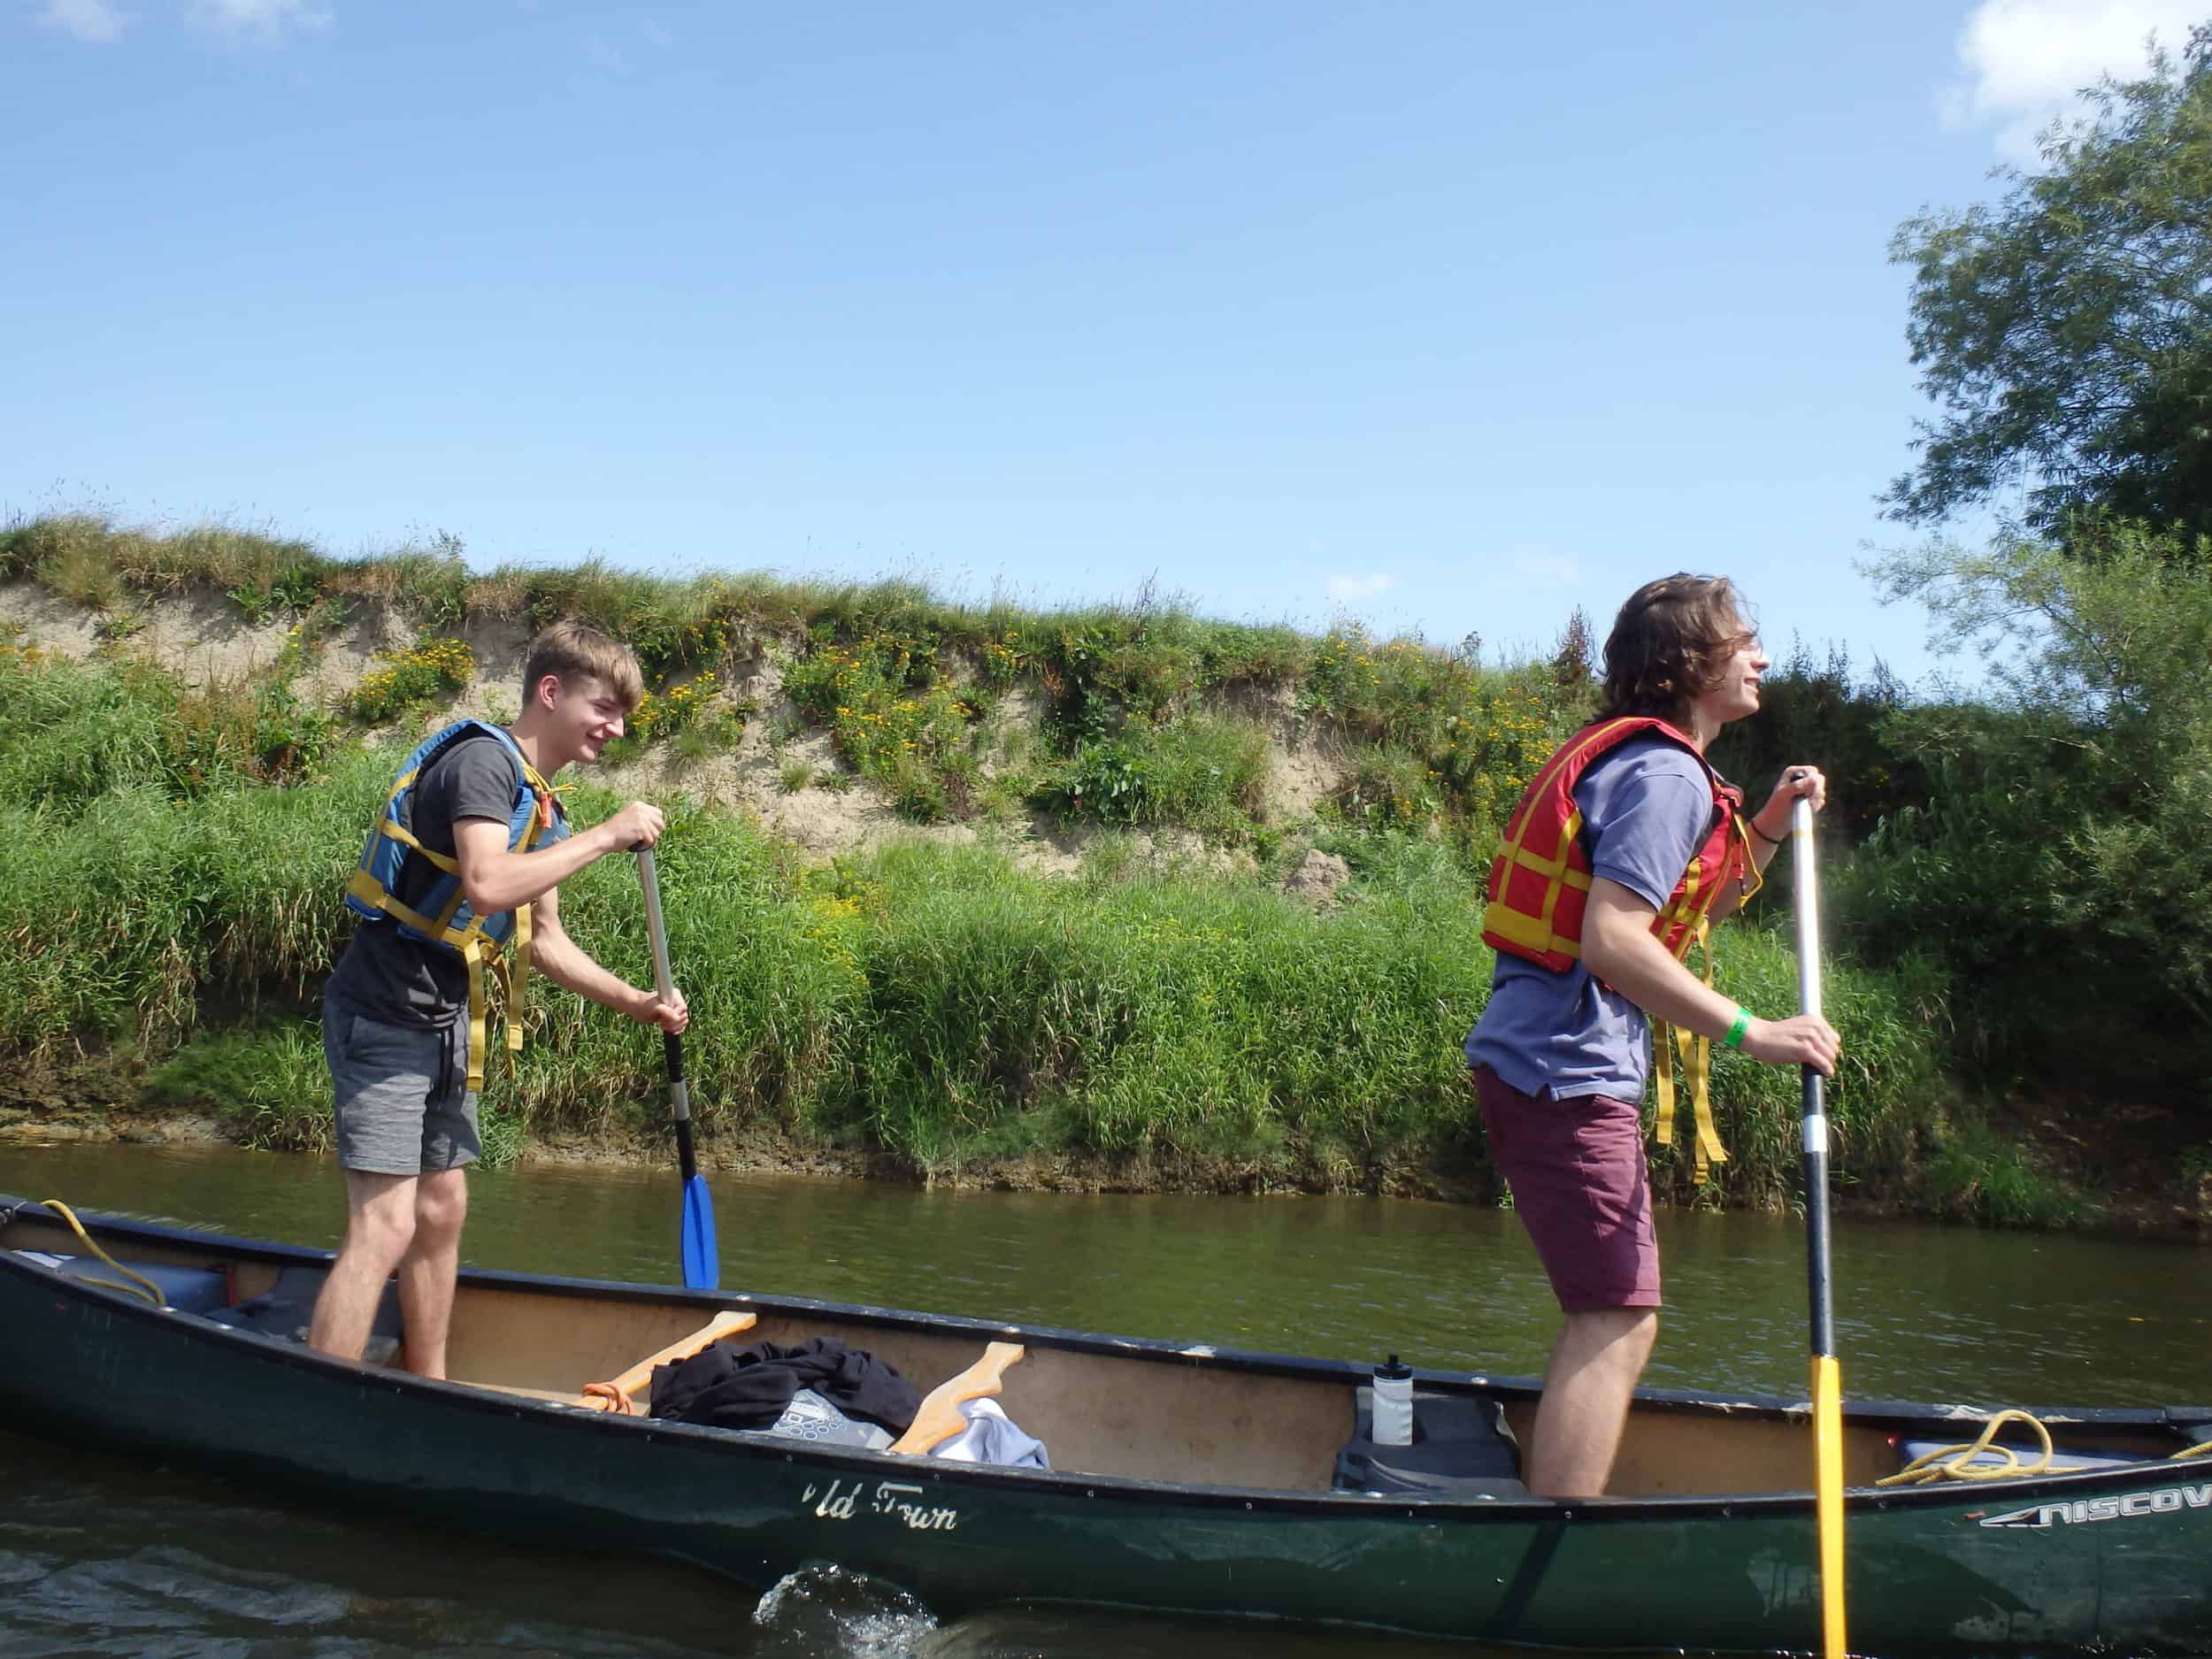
[(472, 842)]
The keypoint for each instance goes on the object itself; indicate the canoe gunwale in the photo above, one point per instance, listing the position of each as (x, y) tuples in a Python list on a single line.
[(852, 1462)]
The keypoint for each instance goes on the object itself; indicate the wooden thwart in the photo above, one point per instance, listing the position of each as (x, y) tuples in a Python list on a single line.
[(940, 1417), (623, 1394)]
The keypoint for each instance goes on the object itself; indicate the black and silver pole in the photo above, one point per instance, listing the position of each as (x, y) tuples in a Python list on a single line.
[(1827, 1377)]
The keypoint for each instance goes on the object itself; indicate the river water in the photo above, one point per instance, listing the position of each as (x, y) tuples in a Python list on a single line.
[(105, 1556)]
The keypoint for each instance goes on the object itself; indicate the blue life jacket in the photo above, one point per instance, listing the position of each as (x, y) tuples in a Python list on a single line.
[(440, 915)]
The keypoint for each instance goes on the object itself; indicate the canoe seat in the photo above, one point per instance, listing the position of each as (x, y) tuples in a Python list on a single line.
[(627, 1392), (186, 1289), (1463, 1450), (940, 1417), (2062, 1462)]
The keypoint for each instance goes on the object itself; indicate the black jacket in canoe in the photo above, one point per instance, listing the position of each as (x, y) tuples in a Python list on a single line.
[(748, 1388)]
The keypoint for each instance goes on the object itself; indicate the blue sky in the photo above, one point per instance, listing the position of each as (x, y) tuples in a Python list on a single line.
[(1455, 315)]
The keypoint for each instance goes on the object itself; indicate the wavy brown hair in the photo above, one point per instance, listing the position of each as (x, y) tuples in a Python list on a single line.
[(1671, 642)]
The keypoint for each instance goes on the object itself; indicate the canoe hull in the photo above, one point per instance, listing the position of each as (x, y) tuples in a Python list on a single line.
[(2113, 1560)]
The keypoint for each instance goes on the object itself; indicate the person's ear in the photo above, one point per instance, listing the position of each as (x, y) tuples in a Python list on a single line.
[(547, 692)]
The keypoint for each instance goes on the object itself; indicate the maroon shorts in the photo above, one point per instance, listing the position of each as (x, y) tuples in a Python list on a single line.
[(1577, 1169)]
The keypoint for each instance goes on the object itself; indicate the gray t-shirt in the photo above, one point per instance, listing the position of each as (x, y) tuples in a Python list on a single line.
[(1647, 808), (383, 974)]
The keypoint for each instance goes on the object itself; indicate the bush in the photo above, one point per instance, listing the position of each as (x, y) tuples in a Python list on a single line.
[(1194, 771), (428, 670), (1889, 1081), (893, 718), (1977, 1174), (2060, 864)]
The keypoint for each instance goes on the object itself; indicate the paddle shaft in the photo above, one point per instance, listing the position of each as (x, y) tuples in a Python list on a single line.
[(1827, 1384), (1815, 1114), (673, 1044)]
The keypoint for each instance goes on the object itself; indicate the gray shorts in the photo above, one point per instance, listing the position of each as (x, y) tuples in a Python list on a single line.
[(403, 1099)]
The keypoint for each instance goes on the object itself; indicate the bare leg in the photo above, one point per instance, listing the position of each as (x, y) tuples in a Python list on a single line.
[(1593, 1370), (379, 1227), (426, 1272)]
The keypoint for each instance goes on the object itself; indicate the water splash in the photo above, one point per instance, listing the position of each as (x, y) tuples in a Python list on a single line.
[(824, 1611)]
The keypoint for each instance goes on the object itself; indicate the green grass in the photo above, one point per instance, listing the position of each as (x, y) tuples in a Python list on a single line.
[(1978, 1174), (1010, 1013), (177, 855), (1889, 1084), (930, 1002)]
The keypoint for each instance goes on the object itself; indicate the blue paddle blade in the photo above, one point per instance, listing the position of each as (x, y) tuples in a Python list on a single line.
[(701, 1262)]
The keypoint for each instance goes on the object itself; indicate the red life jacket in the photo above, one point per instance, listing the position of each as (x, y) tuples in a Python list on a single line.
[(1540, 886)]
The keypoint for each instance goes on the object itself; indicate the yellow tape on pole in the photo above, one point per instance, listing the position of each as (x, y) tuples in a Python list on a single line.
[(1828, 1461)]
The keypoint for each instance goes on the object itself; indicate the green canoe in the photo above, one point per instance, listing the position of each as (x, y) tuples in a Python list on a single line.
[(1184, 1479)]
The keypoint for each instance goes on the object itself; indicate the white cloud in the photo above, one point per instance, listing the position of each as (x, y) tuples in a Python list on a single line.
[(659, 33), (606, 56), (1346, 590), (96, 22), (267, 18), (1537, 567), (2021, 62)]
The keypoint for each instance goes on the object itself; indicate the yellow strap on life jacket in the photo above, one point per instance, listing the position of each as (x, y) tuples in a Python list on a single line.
[(1696, 1056), (515, 965)]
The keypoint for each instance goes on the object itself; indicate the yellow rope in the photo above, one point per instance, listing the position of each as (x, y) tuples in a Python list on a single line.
[(1956, 1463), (151, 1291)]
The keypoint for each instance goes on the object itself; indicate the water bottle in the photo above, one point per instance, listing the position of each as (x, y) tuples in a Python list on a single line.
[(1394, 1403)]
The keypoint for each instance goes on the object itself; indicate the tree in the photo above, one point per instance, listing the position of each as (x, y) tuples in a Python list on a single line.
[(1575, 660), (2067, 333), (2062, 861)]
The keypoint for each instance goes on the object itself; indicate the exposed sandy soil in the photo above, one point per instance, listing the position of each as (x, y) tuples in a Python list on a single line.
[(204, 638)]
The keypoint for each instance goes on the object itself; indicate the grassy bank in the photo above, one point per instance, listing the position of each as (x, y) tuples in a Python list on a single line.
[(171, 904), (931, 1005)]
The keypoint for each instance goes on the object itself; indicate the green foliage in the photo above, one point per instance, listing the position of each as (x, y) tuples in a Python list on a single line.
[(893, 716), (767, 963), (1820, 711), (297, 586), (1149, 1014), (271, 1085), (1155, 716), (1889, 1079), (1444, 736), (429, 669), (2065, 332), (70, 731), (691, 718), (1195, 771), (84, 555), (672, 626), (1977, 1174), (934, 1004), (2060, 862)]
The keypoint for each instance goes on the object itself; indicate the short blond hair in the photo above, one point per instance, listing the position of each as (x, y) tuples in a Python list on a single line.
[(574, 650)]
